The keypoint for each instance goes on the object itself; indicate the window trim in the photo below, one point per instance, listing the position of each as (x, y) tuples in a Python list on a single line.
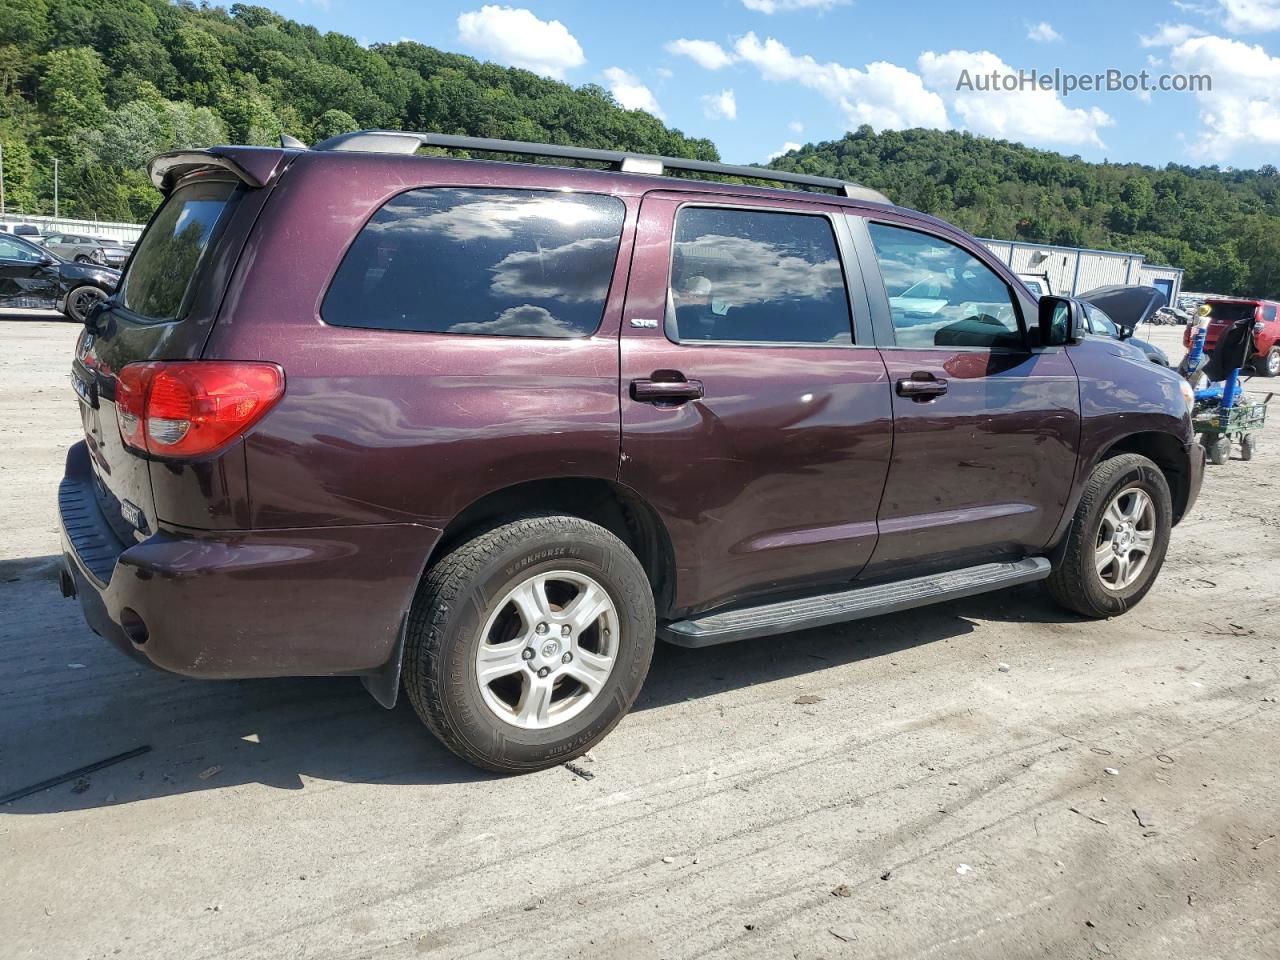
[(844, 255), (886, 332), (497, 188)]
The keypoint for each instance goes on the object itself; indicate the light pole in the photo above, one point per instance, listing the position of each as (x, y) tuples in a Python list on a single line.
[(1, 179), (55, 186)]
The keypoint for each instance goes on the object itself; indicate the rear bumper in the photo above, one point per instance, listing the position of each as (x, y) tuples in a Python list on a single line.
[(309, 601)]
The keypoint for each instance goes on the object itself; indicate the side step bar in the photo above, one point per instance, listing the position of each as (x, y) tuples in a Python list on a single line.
[(853, 604)]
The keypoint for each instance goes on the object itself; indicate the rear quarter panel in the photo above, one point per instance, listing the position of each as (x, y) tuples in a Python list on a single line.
[(392, 426)]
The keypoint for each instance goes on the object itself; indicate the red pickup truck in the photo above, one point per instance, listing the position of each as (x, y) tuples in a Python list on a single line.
[(1224, 311)]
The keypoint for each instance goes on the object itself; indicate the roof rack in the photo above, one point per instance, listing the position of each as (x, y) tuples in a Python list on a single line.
[(407, 142)]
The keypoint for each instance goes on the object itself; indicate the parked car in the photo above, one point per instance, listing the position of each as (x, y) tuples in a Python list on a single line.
[(21, 230), (1098, 322), (1037, 283), (30, 273), (83, 249), (1224, 311), (485, 430)]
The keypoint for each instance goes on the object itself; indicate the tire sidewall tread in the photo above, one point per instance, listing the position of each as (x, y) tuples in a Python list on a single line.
[(1074, 582), (450, 609)]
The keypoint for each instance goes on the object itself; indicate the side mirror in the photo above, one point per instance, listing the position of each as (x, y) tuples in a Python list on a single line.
[(1059, 321), (47, 261)]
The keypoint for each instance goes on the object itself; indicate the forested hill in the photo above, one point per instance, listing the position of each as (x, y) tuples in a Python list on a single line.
[(1223, 227), (103, 85)]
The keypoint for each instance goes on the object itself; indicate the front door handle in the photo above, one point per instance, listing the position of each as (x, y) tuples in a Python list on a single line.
[(922, 387), (672, 388)]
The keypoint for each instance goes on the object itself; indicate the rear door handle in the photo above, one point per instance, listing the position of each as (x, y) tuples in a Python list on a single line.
[(670, 390), (921, 387)]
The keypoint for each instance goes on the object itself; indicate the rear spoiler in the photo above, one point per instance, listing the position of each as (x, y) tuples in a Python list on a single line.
[(252, 166)]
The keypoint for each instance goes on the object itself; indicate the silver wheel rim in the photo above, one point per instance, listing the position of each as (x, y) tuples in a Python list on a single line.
[(1126, 538), (547, 649), (82, 301), (1273, 362)]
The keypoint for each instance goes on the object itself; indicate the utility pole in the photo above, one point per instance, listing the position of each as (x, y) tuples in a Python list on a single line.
[(1, 179), (55, 186)]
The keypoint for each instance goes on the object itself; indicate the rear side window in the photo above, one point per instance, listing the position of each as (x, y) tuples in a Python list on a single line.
[(940, 295), (509, 263), (754, 276), (1268, 312), (169, 254)]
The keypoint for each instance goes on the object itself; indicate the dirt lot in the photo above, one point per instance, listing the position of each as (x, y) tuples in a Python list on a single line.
[(926, 803)]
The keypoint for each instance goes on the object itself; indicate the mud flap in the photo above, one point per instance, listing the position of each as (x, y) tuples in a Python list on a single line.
[(383, 683)]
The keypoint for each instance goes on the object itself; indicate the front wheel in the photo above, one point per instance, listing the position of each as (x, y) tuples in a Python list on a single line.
[(1268, 365), (527, 644), (1247, 447), (1118, 538)]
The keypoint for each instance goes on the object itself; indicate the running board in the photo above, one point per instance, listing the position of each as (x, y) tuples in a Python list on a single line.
[(852, 604)]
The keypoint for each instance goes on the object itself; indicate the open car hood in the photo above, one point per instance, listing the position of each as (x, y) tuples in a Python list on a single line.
[(1127, 306)]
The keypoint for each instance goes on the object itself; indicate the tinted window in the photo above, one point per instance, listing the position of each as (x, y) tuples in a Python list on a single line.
[(14, 250), (753, 276), (520, 263), (940, 295), (1268, 312), (169, 253)]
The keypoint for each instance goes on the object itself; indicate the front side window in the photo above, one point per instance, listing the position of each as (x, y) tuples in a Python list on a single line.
[(749, 275), (508, 263), (940, 295), (15, 250), (169, 253)]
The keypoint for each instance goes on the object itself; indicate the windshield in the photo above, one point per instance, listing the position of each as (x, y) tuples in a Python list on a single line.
[(160, 275)]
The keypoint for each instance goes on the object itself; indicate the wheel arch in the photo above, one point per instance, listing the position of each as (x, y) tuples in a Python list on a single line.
[(1168, 453)]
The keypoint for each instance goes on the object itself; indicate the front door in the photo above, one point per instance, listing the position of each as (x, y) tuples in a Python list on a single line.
[(755, 408), (24, 275), (985, 427)]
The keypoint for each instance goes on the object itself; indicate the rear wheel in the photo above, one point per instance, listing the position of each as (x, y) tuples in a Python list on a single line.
[(527, 644), (82, 258), (1247, 446), (81, 300), (1118, 538)]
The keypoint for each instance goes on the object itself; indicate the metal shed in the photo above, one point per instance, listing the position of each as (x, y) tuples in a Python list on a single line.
[(1075, 269)]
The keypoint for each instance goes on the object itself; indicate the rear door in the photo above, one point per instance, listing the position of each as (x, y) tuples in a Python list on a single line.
[(161, 311), (755, 409), (985, 428)]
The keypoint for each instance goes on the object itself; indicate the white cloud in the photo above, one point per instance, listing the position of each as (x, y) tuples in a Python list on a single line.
[(664, 73), (773, 6), (1170, 35), (1250, 16), (1043, 32), (705, 53), (1244, 104), (722, 104), (1038, 116), (630, 93), (795, 126), (786, 148), (883, 95), (515, 36)]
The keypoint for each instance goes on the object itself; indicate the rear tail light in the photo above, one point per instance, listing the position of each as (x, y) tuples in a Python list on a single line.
[(193, 408)]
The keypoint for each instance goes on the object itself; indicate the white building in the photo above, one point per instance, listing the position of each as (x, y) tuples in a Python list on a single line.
[(1073, 270)]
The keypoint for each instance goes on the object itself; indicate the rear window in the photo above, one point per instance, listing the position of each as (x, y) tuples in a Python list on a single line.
[(160, 274), (511, 263), (1230, 312)]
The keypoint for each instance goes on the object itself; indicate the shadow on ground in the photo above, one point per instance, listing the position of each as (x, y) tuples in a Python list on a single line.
[(72, 700)]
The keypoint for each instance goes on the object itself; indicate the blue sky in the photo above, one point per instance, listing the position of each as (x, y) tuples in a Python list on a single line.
[(756, 75)]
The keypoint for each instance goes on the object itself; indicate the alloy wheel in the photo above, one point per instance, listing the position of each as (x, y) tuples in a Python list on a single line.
[(81, 301), (1126, 538), (547, 649)]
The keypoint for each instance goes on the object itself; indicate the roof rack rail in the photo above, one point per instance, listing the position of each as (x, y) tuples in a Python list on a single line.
[(404, 141)]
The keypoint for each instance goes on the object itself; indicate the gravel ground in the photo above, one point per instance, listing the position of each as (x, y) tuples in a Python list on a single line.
[(879, 789)]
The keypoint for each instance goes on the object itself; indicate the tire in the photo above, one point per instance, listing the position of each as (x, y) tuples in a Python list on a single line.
[(1269, 365), (1219, 450), (1247, 447), (81, 258), (81, 300), (1077, 581), (464, 603)]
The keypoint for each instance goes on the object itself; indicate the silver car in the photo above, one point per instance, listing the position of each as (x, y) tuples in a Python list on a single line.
[(83, 249)]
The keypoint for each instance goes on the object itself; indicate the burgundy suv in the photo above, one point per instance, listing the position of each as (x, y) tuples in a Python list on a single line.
[(486, 429)]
